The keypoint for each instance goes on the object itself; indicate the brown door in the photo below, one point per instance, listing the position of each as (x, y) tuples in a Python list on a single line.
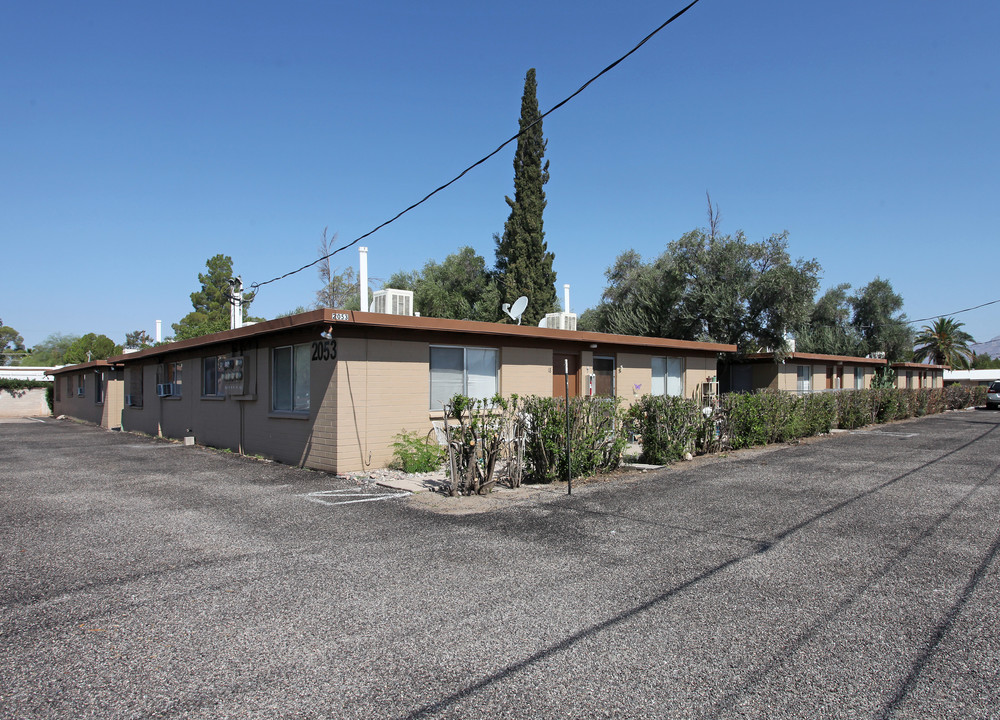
[(559, 363), (604, 377), (829, 377)]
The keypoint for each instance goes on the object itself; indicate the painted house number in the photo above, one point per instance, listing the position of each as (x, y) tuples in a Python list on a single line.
[(324, 350)]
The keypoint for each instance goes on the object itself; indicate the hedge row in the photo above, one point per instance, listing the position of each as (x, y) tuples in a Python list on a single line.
[(667, 428), (526, 437)]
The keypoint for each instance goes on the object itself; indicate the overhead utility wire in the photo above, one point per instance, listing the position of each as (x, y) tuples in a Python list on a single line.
[(957, 312), (462, 174)]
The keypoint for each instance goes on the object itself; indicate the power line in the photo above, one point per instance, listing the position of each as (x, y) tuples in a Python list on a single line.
[(479, 162), (957, 312)]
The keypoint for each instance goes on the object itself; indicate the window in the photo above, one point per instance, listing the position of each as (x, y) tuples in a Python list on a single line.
[(290, 378), (170, 379), (462, 371), (803, 378), (69, 387), (134, 397), (211, 378), (859, 378), (668, 376), (81, 387), (98, 388), (909, 379)]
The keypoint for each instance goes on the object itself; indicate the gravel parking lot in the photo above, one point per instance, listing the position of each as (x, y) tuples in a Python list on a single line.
[(852, 577)]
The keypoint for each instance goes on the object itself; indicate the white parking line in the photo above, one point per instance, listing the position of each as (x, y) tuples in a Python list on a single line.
[(882, 432), (320, 496)]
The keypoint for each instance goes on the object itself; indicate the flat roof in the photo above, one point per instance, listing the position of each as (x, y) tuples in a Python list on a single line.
[(758, 357), (919, 366), (92, 365), (412, 324)]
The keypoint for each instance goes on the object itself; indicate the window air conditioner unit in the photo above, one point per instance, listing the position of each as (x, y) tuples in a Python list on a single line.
[(165, 389), (79, 392), (559, 321), (128, 401), (393, 302)]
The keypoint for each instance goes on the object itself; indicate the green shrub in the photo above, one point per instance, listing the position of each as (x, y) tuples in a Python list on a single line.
[(853, 409), (597, 436), (818, 413), (413, 453), (668, 427)]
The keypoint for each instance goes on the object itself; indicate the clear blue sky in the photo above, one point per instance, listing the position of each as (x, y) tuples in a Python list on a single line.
[(139, 139)]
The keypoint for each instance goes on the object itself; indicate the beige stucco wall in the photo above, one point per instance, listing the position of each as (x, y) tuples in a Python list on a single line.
[(696, 371), (29, 402), (525, 371), (373, 390)]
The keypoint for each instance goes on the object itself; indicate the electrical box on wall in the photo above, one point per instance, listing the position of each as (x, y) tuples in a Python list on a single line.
[(232, 372)]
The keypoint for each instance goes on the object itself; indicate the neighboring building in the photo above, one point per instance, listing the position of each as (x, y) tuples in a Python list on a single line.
[(89, 391), (971, 378), (913, 376), (799, 372), (29, 402), (330, 389), (23, 372)]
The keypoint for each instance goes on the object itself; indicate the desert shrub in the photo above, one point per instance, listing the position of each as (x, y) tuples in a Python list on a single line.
[(743, 422), (413, 453), (853, 409), (668, 427), (597, 436), (818, 413)]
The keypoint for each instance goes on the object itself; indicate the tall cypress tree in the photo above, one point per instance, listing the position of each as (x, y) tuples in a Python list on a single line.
[(524, 263)]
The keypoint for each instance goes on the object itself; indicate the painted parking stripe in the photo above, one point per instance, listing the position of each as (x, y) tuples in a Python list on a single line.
[(882, 432), (329, 497)]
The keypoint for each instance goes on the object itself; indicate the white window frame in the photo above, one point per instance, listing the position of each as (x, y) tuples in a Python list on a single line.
[(465, 374), (803, 379), (663, 383), (299, 403)]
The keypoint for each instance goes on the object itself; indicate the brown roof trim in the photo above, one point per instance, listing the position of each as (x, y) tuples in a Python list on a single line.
[(92, 365), (822, 358), (919, 366), (328, 316)]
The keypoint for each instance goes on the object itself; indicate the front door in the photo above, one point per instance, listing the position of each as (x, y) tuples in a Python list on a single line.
[(604, 377), (559, 364)]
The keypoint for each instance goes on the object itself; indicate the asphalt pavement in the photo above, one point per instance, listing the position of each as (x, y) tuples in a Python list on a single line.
[(855, 576)]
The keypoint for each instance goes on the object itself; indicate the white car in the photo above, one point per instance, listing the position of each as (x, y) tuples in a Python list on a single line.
[(993, 395)]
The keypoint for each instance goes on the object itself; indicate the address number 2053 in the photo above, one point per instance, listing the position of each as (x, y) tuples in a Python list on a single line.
[(324, 350)]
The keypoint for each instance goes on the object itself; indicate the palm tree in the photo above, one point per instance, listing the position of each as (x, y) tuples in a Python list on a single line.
[(944, 343)]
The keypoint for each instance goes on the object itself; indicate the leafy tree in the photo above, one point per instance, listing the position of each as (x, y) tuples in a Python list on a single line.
[(51, 351), (721, 289), (11, 344), (983, 361), (944, 343), (211, 303), (740, 292), (138, 339), (339, 288), (459, 288), (91, 347), (878, 319), (640, 298), (829, 329), (523, 261)]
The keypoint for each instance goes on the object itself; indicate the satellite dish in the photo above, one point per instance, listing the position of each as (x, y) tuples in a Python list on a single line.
[(517, 309)]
